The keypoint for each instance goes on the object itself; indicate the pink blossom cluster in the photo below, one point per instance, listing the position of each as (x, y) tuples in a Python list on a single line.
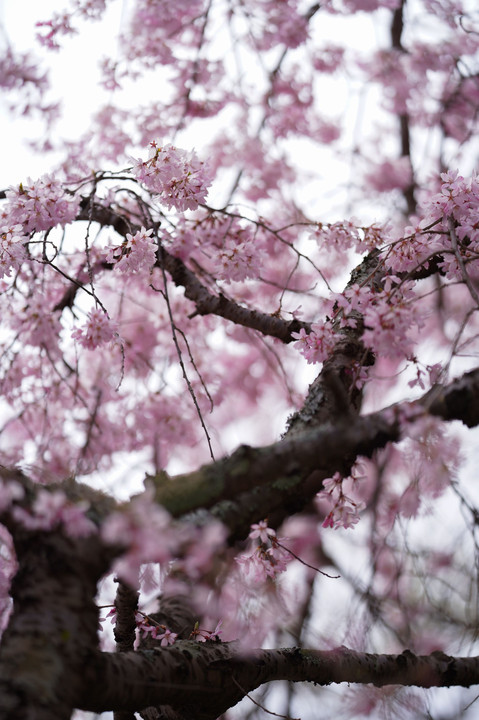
[(389, 315), (92, 9), (39, 327), (344, 509), (238, 260), (417, 470), (328, 58), (17, 70), (345, 234), (179, 177), (97, 330), (138, 529), (149, 535), (268, 560), (431, 454), (390, 175), (449, 227), (149, 627), (458, 201), (60, 24), (136, 254), (427, 375), (277, 24), (153, 25), (317, 345), (12, 248), (235, 251), (51, 509), (201, 635), (40, 205)]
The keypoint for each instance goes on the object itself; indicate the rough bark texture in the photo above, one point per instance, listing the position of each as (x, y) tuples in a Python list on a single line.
[(53, 627), (200, 681)]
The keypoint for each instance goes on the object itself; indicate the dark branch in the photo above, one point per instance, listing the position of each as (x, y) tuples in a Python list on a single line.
[(206, 302), (204, 681)]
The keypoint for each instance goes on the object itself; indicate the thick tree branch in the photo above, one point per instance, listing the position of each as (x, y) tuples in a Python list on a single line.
[(283, 477), (203, 681), (290, 472)]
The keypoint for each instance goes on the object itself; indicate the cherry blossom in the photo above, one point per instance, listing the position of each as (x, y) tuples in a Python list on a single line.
[(97, 330), (137, 253), (51, 509), (178, 177), (40, 205)]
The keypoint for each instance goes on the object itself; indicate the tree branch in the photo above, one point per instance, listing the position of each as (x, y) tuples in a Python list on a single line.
[(290, 472), (206, 302), (203, 681)]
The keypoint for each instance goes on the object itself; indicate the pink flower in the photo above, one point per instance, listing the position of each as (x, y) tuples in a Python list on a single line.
[(177, 176), (262, 531), (204, 635), (167, 637), (97, 330), (318, 345), (136, 254), (12, 251), (390, 175), (51, 509), (41, 205)]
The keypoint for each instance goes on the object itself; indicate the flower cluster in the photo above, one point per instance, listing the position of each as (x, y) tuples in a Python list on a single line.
[(390, 175), (317, 345), (40, 205), (238, 261), (148, 627), (235, 250), (177, 176), (136, 254), (51, 509), (269, 558), (97, 330), (390, 318), (449, 228), (343, 235), (345, 510), (12, 250), (154, 630), (139, 530), (58, 25), (149, 535)]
